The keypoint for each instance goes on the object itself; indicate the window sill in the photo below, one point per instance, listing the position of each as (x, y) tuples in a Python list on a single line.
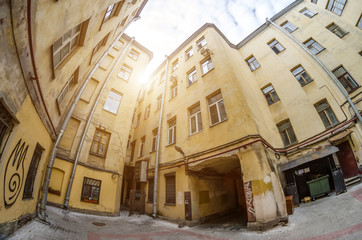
[(207, 72), (291, 145), (255, 69), (115, 114), (213, 125), (271, 104), (312, 80), (189, 85), (191, 134), (98, 155), (170, 204), (353, 90), (171, 144)]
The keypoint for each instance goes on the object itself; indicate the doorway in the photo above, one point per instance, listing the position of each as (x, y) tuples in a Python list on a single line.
[(347, 160)]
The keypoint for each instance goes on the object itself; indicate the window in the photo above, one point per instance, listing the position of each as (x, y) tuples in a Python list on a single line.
[(123, 21), (172, 131), (334, 28), (7, 123), (276, 46), (200, 43), (173, 91), (307, 12), (336, 6), (170, 188), (150, 189), (270, 94), (191, 76), (253, 63), (289, 27), (133, 54), (359, 23), (314, 1), (129, 141), (189, 52), (65, 45), (154, 139), (287, 133), (125, 72), (175, 65), (33, 167), (162, 77), (195, 119), (68, 85), (147, 111), (345, 79), (142, 146), (100, 44), (134, 12), (207, 66), (138, 119), (326, 113), (112, 11), (217, 109), (100, 143), (301, 75), (112, 102), (90, 190), (159, 102), (313, 46)]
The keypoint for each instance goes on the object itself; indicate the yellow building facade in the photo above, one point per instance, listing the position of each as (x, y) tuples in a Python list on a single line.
[(57, 56), (223, 127)]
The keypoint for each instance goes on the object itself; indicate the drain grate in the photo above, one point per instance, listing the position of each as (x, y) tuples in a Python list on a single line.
[(99, 224)]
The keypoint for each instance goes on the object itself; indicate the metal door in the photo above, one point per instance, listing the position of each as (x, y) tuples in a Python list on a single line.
[(188, 213), (347, 160)]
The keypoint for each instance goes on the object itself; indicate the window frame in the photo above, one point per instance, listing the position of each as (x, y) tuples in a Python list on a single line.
[(113, 11), (150, 189), (313, 46), (98, 46), (276, 45), (68, 86), (159, 103), (32, 172), (198, 119), (307, 12), (288, 25), (359, 22), (337, 30), (92, 183), (189, 53), (270, 94), (300, 74), (192, 74), (111, 100), (134, 54), (288, 134), (173, 91), (217, 103), (147, 111), (175, 65), (103, 132), (171, 131), (201, 43), (125, 72), (333, 6), (154, 140), (252, 63), (328, 114), (7, 123), (346, 80), (207, 63)]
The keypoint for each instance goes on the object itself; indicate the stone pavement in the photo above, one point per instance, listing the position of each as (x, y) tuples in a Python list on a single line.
[(334, 217)]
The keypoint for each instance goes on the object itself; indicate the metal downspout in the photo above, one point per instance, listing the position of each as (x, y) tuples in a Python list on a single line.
[(155, 181), (42, 208), (71, 179), (331, 75)]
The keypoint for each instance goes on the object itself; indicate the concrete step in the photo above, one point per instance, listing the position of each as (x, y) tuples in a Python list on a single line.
[(351, 181)]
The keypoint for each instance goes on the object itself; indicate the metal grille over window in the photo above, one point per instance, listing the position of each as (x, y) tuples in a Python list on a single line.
[(302, 77), (6, 125), (326, 113), (217, 109), (345, 79), (336, 6), (313, 46), (192, 77), (91, 190), (207, 66), (65, 45), (276, 46), (172, 131), (30, 178), (253, 63), (270, 94), (170, 189), (195, 119), (287, 133), (112, 102), (100, 143)]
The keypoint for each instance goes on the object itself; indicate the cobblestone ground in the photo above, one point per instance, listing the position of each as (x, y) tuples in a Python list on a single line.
[(334, 217)]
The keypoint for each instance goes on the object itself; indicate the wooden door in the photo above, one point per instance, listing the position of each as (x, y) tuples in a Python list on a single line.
[(347, 160)]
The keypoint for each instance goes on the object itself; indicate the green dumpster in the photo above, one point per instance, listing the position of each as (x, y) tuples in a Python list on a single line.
[(319, 186)]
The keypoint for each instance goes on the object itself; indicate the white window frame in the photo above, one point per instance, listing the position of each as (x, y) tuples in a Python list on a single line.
[(147, 111), (125, 73), (189, 53), (113, 101), (198, 118), (288, 26), (201, 43), (337, 30), (313, 46), (171, 132), (154, 140), (67, 43), (308, 13), (207, 66), (336, 6), (276, 46), (159, 102), (191, 77), (217, 103), (173, 91), (253, 63), (133, 54)]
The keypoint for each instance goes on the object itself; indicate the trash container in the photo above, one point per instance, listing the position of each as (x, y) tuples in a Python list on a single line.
[(319, 186)]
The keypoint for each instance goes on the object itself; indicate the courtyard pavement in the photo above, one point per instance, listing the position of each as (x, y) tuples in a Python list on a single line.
[(334, 217)]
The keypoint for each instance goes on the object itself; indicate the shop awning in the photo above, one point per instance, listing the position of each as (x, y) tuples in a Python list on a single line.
[(309, 157)]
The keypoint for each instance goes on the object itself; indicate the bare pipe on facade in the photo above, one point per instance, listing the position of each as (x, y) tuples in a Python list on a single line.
[(42, 208), (71, 179), (331, 75), (155, 185)]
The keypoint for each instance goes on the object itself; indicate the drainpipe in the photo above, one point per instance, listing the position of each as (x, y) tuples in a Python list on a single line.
[(331, 75), (71, 179), (42, 209), (155, 185)]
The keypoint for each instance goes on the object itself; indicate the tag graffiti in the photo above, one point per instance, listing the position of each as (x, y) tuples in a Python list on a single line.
[(249, 201), (14, 173)]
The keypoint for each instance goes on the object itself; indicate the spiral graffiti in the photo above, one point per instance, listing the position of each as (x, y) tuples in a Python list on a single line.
[(14, 173)]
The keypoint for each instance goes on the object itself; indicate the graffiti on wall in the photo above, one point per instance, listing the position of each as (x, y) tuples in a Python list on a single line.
[(14, 173), (249, 201)]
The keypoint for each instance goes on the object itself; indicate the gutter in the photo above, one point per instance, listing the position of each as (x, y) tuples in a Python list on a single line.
[(155, 182), (71, 179), (42, 209), (331, 75)]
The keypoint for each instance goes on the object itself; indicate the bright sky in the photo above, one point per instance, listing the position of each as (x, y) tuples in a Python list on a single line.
[(166, 24)]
